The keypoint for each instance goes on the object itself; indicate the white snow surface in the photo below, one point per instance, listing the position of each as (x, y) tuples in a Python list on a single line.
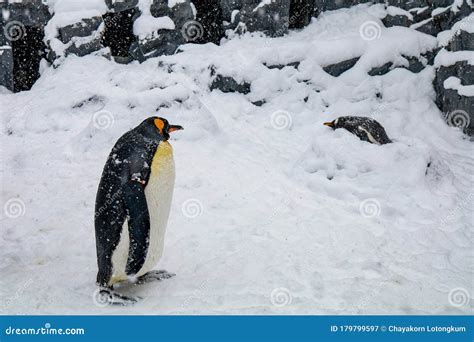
[(273, 213)]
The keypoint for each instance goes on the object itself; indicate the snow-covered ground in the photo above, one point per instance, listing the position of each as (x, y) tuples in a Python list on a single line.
[(273, 212)]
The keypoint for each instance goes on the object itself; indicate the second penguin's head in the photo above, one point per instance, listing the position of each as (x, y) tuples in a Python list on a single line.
[(334, 124), (156, 126)]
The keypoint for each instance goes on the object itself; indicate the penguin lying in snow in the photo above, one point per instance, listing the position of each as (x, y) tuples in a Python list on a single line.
[(132, 207), (366, 129)]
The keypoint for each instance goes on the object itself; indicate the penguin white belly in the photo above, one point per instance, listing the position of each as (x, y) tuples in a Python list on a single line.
[(158, 193)]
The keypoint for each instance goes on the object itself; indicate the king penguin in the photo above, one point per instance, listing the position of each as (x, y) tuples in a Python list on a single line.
[(366, 129), (132, 208)]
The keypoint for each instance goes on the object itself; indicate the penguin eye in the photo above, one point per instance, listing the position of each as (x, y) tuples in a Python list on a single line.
[(160, 125)]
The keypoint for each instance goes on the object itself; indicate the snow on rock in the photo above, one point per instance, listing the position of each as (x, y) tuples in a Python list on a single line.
[(76, 27), (147, 26), (455, 83), (62, 6), (172, 3), (446, 58), (466, 24), (266, 197)]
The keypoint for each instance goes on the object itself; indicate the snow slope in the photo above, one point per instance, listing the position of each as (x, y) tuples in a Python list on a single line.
[(273, 212)]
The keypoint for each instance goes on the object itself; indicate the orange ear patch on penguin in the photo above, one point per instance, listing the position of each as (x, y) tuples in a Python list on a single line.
[(160, 125)]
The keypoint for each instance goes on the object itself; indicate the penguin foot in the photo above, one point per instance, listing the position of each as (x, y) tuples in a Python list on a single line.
[(110, 297), (154, 276)]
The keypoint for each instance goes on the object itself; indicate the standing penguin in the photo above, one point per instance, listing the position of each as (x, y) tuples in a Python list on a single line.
[(132, 207), (366, 129)]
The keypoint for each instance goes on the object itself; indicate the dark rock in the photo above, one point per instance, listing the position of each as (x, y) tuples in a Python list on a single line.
[(227, 84), (445, 19), (22, 49), (337, 4), (431, 55), (396, 20), (463, 40), (281, 66), (85, 49), (118, 34), (414, 64), (119, 6), (458, 110), (180, 13), (28, 12), (27, 54), (166, 42), (441, 3), (381, 70), (259, 103), (462, 70), (429, 27), (86, 27), (301, 12), (21, 42), (319, 7), (410, 4), (341, 67), (421, 14), (6, 66), (229, 6), (271, 19), (210, 16)]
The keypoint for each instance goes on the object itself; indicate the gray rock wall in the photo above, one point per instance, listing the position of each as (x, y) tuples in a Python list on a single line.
[(206, 20), (457, 107), (21, 25)]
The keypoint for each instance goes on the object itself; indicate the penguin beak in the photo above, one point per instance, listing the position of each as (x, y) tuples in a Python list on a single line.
[(175, 128), (330, 124)]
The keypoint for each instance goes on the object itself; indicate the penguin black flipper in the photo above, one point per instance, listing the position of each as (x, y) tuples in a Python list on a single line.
[(377, 131), (128, 161), (139, 225)]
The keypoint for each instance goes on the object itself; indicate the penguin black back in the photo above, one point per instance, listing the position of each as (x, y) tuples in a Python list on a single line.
[(121, 187), (366, 129)]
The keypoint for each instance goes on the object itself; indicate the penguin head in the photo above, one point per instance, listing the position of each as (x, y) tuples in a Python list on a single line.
[(159, 128), (334, 124)]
